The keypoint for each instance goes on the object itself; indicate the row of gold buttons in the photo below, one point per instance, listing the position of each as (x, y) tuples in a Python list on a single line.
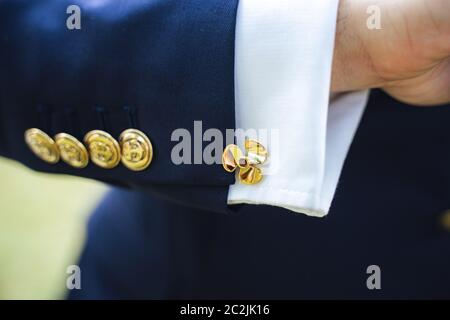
[(134, 149)]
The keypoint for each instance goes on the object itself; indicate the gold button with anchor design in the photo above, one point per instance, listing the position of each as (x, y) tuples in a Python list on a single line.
[(233, 158), (42, 145), (72, 151), (137, 150), (104, 150)]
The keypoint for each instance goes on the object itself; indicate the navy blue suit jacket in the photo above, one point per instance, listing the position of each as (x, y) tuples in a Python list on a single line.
[(160, 65), (171, 62)]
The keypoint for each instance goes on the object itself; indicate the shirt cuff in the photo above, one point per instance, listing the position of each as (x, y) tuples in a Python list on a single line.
[(284, 53)]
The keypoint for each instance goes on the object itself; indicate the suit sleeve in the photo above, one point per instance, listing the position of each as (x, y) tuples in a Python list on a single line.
[(157, 65)]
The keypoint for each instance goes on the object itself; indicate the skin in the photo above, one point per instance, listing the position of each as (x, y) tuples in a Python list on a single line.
[(409, 57)]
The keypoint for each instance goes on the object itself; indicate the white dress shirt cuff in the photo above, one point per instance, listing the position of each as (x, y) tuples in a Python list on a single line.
[(284, 53)]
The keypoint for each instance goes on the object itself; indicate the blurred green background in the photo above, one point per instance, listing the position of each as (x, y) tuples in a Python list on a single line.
[(42, 229)]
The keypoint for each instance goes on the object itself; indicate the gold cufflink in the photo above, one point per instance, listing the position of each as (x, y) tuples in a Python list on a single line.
[(42, 145), (72, 151), (233, 158), (104, 150), (137, 150)]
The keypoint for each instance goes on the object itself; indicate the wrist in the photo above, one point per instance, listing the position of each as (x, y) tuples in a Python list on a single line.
[(353, 67)]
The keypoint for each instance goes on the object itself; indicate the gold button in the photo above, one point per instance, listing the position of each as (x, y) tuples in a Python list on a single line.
[(104, 150), (72, 151), (137, 150), (42, 145), (445, 220)]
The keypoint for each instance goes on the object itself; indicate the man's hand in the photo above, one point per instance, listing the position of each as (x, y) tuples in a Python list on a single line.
[(409, 57)]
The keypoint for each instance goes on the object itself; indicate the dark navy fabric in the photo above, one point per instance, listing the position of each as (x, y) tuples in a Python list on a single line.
[(162, 64), (394, 189), (157, 65)]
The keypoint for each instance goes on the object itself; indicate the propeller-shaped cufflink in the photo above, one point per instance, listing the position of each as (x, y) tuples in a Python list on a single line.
[(233, 158)]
